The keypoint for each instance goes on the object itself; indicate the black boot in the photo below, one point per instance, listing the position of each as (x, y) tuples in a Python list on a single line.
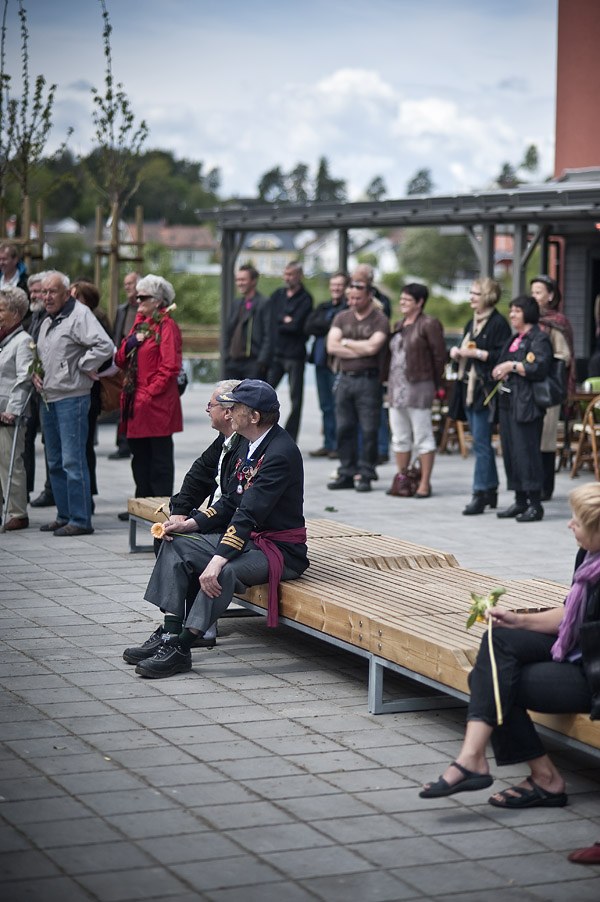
[(476, 504), (491, 498), (519, 507), (534, 511)]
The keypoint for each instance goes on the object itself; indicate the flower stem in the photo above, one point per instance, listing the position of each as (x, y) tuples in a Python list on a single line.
[(499, 717), (492, 393)]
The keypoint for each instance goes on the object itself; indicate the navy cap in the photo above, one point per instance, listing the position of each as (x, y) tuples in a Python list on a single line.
[(254, 393)]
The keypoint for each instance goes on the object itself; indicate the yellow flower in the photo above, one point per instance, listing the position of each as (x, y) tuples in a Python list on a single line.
[(530, 357), (157, 530)]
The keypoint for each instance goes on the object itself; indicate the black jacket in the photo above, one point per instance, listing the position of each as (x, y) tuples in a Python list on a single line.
[(272, 498), (317, 323), (288, 338), (492, 338), (589, 637), (535, 352), (200, 481), (256, 329)]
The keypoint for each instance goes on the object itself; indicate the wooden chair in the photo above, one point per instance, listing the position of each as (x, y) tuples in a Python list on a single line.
[(589, 438)]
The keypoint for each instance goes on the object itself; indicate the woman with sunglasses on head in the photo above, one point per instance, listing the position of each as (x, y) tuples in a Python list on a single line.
[(151, 358), (558, 329)]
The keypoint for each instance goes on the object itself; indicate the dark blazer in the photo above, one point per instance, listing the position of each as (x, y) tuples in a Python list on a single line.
[(200, 481), (256, 329), (535, 353), (272, 498)]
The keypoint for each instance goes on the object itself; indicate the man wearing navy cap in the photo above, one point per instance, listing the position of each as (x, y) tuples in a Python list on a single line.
[(253, 534)]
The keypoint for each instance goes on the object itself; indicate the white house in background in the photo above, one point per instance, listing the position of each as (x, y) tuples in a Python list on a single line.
[(54, 230), (321, 254), (269, 252)]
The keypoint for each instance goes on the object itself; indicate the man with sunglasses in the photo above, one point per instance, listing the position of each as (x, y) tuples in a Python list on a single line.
[(254, 533), (357, 338)]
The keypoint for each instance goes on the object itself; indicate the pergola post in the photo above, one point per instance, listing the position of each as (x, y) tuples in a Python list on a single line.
[(231, 244), (519, 260), (343, 249), (483, 247)]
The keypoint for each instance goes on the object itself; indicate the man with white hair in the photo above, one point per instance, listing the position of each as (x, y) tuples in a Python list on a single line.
[(71, 346), (32, 323)]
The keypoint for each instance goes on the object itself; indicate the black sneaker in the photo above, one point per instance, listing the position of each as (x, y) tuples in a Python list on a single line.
[(341, 482), (170, 658), (140, 652), (363, 484)]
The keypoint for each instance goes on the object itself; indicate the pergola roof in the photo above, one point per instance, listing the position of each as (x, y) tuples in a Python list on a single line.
[(549, 203)]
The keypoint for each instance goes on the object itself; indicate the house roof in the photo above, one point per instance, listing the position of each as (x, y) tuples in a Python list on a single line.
[(177, 237)]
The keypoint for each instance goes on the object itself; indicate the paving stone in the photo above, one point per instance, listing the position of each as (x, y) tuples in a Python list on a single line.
[(290, 787), (54, 809), (454, 876), (245, 814), (374, 886), (200, 846), (304, 863), (264, 892), (541, 867), (279, 837), (492, 844), (181, 774), (75, 832), (313, 808), (168, 822), (47, 889), (97, 858), (28, 788), (367, 828), (585, 890), (363, 780), (330, 762), (251, 768), (142, 799), (243, 871), (412, 850), (141, 883), (15, 864)]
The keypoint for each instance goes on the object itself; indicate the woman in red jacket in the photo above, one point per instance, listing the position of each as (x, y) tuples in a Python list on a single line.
[(151, 358)]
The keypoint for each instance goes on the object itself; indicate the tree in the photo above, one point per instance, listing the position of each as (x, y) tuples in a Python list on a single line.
[(298, 184), (29, 118), (438, 259), (271, 187), (376, 189), (118, 137), (531, 160), (420, 183), (328, 189), (508, 176)]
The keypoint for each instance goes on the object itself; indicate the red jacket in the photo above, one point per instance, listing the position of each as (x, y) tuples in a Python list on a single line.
[(157, 408)]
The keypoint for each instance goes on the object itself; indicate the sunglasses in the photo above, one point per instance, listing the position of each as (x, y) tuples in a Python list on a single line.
[(145, 297)]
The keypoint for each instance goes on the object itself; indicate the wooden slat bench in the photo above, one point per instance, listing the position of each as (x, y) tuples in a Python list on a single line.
[(401, 606)]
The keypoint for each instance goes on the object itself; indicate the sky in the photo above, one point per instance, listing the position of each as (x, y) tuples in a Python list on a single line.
[(379, 87)]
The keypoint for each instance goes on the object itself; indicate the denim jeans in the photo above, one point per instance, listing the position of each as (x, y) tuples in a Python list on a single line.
[(325, 382), (65, 426), (528, 679), (485, 475)]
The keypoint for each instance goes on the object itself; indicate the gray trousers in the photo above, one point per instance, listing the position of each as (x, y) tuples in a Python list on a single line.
[(185, 557)]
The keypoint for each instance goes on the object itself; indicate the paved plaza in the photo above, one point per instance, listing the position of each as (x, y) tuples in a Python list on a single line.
[(259, 776)]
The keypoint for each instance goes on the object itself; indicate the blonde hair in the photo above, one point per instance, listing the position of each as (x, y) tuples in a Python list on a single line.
[(585, 502), (490, 291)]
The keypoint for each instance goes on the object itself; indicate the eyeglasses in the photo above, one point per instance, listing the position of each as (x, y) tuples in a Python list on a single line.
[(145, 297), (357, 285), (52, 291), (212, 404)]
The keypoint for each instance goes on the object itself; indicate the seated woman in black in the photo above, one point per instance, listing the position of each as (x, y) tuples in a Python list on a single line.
[(547, 662)]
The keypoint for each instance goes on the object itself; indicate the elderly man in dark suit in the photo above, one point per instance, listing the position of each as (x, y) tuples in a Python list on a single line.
[(255, 532)]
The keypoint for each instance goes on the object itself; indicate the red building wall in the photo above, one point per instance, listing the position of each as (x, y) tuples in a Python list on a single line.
[(578, 85)]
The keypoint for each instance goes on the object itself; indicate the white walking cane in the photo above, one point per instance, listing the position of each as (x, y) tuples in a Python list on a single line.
[(19, 421)]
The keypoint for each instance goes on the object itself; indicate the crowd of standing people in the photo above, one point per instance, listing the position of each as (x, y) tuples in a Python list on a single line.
[(376, 382)]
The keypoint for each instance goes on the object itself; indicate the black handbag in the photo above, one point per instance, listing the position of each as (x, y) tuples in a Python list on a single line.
[(589, 639), (551, 390)]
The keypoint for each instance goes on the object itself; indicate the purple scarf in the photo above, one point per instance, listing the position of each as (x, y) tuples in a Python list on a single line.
[(568, 631)]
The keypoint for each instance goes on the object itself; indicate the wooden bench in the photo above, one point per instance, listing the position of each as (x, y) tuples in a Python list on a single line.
[(403, 607)]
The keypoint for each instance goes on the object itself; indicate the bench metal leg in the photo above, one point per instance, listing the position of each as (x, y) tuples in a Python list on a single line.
[(378, 706), (134, 548)]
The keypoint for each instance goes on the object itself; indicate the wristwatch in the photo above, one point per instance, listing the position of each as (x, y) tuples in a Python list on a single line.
[(344, 341), (514, 367)]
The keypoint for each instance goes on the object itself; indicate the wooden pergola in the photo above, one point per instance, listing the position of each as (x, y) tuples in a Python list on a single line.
[(534, 214)]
